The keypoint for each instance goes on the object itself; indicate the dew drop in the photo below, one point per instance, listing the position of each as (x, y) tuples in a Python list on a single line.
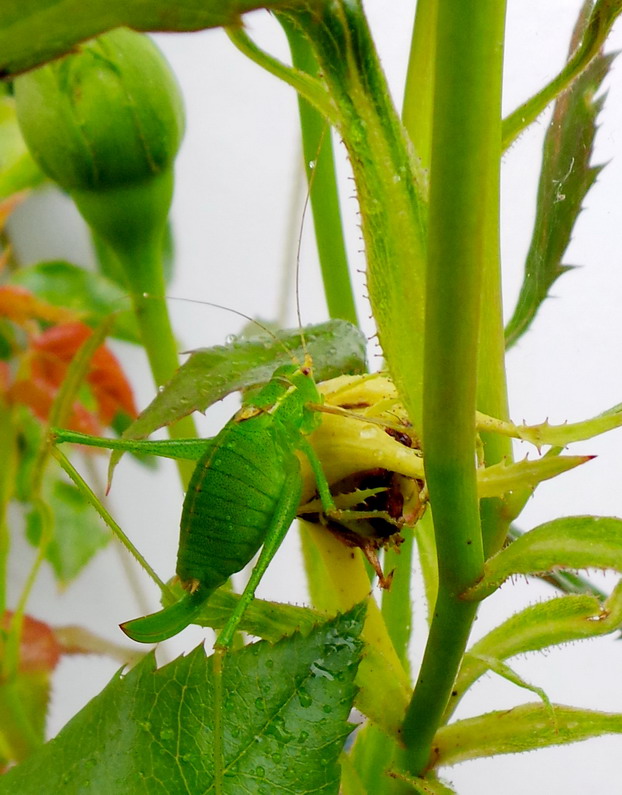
[(317, 669), (277, 730)]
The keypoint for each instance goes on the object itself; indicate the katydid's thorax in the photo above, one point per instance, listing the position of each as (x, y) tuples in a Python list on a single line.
[(284, 403)]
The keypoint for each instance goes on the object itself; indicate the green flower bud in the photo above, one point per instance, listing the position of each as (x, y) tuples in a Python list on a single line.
[(106, 123), (107, 116)]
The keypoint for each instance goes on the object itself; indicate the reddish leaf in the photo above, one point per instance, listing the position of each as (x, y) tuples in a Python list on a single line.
[(20, 306), (39, 648), (39, 395), (55, 349)]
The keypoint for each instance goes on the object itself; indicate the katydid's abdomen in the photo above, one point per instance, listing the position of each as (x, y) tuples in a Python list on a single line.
[(230, 502), (233, 497)]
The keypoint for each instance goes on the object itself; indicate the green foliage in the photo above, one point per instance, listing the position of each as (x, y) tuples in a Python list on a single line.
[(106, 122), (92, 295), (520, 729), (211, 374), (18, 171), (285, 721), (566, 177), (537, 627), (75, 532), (34, 32), (574, 542)]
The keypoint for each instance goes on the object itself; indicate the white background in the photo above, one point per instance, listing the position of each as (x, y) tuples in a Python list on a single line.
[(238, 197)]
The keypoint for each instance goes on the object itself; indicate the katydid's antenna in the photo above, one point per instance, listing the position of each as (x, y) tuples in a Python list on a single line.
[(258, 323), (310, 168)]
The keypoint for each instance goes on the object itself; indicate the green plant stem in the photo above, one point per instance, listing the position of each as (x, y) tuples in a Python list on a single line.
[(463, 209), (419, 90), (10, 663), (147, 293), (132, 220), (8, 444), (319, 163), (306, 86)]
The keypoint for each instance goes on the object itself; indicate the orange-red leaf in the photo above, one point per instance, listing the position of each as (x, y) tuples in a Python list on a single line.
[(39, 649), (20, 305), (39, 395), (56, 347)]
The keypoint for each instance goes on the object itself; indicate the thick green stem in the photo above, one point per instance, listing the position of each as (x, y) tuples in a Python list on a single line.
[(463, 220), (132, 219)]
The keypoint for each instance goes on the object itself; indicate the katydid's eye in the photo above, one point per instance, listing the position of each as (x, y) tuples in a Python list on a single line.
[(305, 370)]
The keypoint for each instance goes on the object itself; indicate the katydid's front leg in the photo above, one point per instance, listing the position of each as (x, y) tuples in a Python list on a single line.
[(323, 488), (183, 449)]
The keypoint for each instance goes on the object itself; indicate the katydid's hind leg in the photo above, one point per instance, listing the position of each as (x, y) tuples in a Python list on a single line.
[(283, 516), (162, 625), (320, 478)]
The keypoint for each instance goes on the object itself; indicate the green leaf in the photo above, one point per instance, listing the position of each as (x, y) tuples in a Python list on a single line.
[(69, 286), (574, 542), (504, 670), (78, 533), (560, 620), (523, 728), (18, 171), (555, 435), (210, 374), (271, 621), (501, 478), (595, 21), (565, 179), (35, 31), (266, 620), (285, 721)]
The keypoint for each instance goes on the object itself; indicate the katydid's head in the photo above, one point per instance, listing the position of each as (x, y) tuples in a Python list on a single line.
[(300, 395)]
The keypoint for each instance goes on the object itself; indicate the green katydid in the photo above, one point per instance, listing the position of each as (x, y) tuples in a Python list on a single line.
[(246, 488), (243, 495)]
